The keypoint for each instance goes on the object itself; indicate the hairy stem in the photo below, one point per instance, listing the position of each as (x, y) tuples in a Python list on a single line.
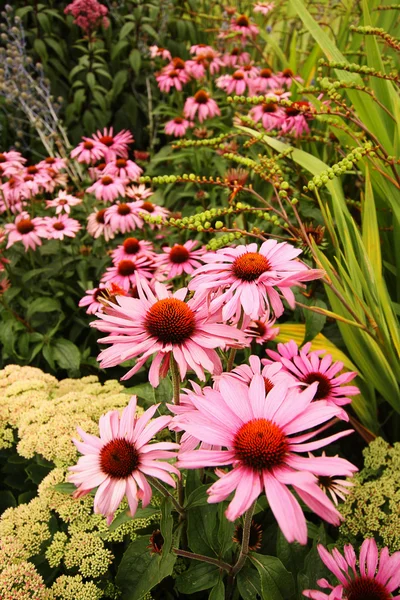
[(165, 492), (244, 550), (212, 561)]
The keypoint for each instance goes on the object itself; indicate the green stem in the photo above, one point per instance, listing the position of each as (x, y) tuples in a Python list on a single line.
[(244, 550), (212, 561), (176, 388), (165, 492), (231, 359)]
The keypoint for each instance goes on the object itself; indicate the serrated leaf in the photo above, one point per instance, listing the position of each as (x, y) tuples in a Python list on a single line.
[(276, 582)]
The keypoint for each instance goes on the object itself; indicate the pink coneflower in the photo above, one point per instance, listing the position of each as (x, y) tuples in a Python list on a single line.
[(176, 78), (265, 80), (236, 57), (296, 118), (158, 52), (124, 273), (180, 259), (144, 206), (113, 146), (233, 84), (26, 230), (335, 487), (11, 163), (160, 324), (263, 329), (87, 152), (61, 226), (51, 162), (243, 26), (97, 226), (286, 77), (201, 49), (91, 300), (138, 192), (54, 179), (117, 463), (13, 192), (263, 7), (262, 434), (203, 105), (132, 247), (63, 202), (123, 217), (196, 67), (177, 127), (308, 368), (108, 188), (247, 277), (270, 115), (124, 169), (375, 578), (272, 374)]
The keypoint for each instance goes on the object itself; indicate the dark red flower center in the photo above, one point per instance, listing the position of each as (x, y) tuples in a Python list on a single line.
[(107, 140), (3, 159), (238, 76), (268, 385), (255, 537), (148, 207), (250, 266), (260, 444), (126, 268), (100, 215), (324, 384), (178, 63), (366, 588), (25, 226), (297, 108), (171, 321), (258, 328), (201, 97), (29, 178), (156, 542), (287, 73), (247, 68), (58, 225), (88, 145), (49, 160), (242, 21), (120, 163), (236, 52), (119, 458), (124, 209), (178, 254), (131, 245), (32, 170), (99, 292), (62, 202), (107, 180), (173, 73), (266, 73), (269, 107), (178, 120)]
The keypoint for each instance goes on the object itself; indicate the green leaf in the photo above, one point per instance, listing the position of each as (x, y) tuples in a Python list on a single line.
[(118, 48), (124, 516), (203, 530), (91, 80), (66, 354), (40, 48), (119, 82), (248, 583), (135, 60), (43, 305), (37, 473), (139, 571), (314, 321), (65, 488), (126, 29), (218, 592), (198, 497), (7, 500), (276, 582), (199, 576)]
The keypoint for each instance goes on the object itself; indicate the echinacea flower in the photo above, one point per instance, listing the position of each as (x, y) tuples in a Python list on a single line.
[(270, 115), (177, 126), (61, 226), (263, 435), (87, 151), (265, 80), (376, 577), (138, 192), (243, 26), (263, 329), (233, 84), (123, 169), (54, 163), (158, 52), (123, 217), (112, 145), (108, 188), (236, 57), (335, 487), (296, 119), (176, 78), (162, 324), (263, 7), (308, 367), (181, 258), (286, 77), (155, 210), (63, 202), (247, 277), (117, 462), (26, 230), (132, 247), (97, 226), (91, 300), (202, 105), (272, 374), (124, 272)]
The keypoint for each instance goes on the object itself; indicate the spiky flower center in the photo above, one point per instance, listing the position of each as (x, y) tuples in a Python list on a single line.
[(178, 254), (148, 207), (366, 588), (49, 160), (25, 226), (120, 163), (297, 108), (255, 538), (250, 266), (201, 97), (126, 268), (119, 458), (260, 444), (287, 73), (324, 384), (88, 145), (258, 328), (242, 21), (32, 170), (58, 225), (266, 73), (238, 76), (3, 159), (107, 140), (100, 215), (178, 63), (178, 120), (156, 542), (268, 385), (107, 180), (131, 245), (123, 209), (269, 107), (171, 321)]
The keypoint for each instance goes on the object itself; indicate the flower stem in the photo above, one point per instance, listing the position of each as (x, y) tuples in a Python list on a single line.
[(176, 389), (165, 492), (244, 550), (231, 359), (213, 561)]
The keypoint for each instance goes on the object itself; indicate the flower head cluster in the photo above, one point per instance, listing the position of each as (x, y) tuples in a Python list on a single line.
[(88, 14)]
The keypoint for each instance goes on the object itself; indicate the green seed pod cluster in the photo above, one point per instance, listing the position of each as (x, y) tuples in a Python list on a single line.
[(223, 240)]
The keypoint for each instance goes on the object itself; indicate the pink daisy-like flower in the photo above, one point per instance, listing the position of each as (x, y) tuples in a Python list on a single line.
[(286, 77), (63, 202), (124, 273), (11, 162), (113, 146), (236, 83), (162, 324), (87, 152), (336, 488), (376, 577), (123, 169), (247, 277), (265, 80), (243, 26), (270, 115), (308, 368), (144, 206), (61, 226), (108, 188), (91, 300), (236, 57), (263, 329), (123, 217), (263, 7), (51, 162), (169, 78), (97, 226), (180, 259), (263, 434), (203, 105), (272, 374), (26, 230), (132, 247), (158, 52), (196, 67), (118, 461), (177, 127), (296, 119), (138, 192), (200, 49)]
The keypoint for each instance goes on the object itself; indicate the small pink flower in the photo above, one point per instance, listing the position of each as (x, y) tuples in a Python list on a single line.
[(243, 26), (263, 7), (162, 324), (144, 206), (174, 78), (270, 115), (263, 329), (201, 49), (177, 126), (309, 368), (203, 105), (54, 179), (26, 230), (11, 163), (113, 146), (108, 188), (265, 80), (51, 162), (123, 217), (263, 434), (233, 84), (133, 247), (296, 118), (91, 299), (61, 226), (247, 277), (123, 169), (124, 273), (117, 463), (236, 57), (157, 52), (138, 192), (63, 202), (180, 259), (87, 152), (286, 77), (97, 226), (196, 67), (273, 374), (376, 576)]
